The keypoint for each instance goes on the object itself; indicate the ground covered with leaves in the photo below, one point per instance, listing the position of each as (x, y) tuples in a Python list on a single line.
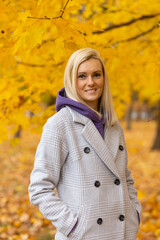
[(20, 220)]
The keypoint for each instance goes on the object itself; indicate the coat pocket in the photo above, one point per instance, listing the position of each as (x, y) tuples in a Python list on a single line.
[(135, 215), (79, 230)]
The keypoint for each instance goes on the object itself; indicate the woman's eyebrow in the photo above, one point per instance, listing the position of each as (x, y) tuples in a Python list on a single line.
[(81, 72), (93, 72), (97, 71)]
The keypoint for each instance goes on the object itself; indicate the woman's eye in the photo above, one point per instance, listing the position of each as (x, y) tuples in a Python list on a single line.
[(97, 75), (81, 76)]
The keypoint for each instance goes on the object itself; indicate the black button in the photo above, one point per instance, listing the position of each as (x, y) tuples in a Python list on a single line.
[(121, 217), (99, 221), (117, 181), (121, 147), (97, 184), (87, 150)]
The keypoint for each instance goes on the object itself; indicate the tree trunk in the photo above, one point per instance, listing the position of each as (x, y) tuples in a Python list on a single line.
[(128, 119), (18, 133), (156, 144)]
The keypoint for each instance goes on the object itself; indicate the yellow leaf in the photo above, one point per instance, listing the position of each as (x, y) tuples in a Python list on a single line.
[(23, 16)]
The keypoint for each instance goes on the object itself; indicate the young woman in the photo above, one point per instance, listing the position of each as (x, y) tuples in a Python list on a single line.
[(82, 153)]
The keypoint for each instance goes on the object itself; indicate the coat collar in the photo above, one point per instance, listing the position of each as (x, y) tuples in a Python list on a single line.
[(107, 148), (77, 117)]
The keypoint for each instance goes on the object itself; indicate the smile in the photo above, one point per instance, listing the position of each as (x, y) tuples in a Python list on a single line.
[(91, 90)]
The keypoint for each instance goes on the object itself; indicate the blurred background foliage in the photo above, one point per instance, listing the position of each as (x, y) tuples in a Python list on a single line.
[(38, 37)]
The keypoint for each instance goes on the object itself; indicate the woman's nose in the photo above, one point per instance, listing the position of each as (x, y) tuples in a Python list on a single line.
[(90, 81)]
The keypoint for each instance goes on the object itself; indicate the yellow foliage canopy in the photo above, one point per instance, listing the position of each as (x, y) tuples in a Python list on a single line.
[(37, 38)]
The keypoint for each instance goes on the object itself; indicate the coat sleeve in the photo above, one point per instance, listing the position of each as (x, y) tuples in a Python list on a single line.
[(50, 156), (130, 184)]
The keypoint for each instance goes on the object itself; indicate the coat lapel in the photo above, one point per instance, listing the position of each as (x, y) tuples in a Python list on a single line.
[(106, 148)]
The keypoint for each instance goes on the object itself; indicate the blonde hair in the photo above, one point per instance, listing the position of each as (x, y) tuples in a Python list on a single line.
[(70, 78)]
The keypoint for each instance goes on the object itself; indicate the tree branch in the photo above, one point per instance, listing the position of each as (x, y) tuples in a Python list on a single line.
[(47, 18), (61, 16), (143, 17), (136, 36), (139, 35), (39, 65), (30, 64)]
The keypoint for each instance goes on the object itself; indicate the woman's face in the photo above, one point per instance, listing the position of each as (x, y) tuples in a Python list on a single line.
[(90, 81)]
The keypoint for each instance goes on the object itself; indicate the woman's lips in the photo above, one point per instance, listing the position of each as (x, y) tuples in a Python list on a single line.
[(90, 90)]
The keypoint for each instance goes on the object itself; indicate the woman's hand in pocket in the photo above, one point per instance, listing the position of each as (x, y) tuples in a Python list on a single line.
[(73, 228)]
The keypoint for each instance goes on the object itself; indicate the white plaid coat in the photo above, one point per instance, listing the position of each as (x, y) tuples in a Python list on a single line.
[(93, 182)]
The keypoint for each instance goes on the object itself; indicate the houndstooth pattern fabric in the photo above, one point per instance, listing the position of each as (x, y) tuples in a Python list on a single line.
[(92, 180)]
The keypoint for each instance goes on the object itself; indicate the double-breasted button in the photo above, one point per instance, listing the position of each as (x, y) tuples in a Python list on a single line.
[(121, 147), (121, 218), (117, 181), (97, 184), (99, 221), (87, 150)]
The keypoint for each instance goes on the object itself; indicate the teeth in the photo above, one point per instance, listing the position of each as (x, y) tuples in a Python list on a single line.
[(93, 90)]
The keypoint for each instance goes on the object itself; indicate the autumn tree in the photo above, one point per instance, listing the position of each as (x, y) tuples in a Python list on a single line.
[(37, 38)]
